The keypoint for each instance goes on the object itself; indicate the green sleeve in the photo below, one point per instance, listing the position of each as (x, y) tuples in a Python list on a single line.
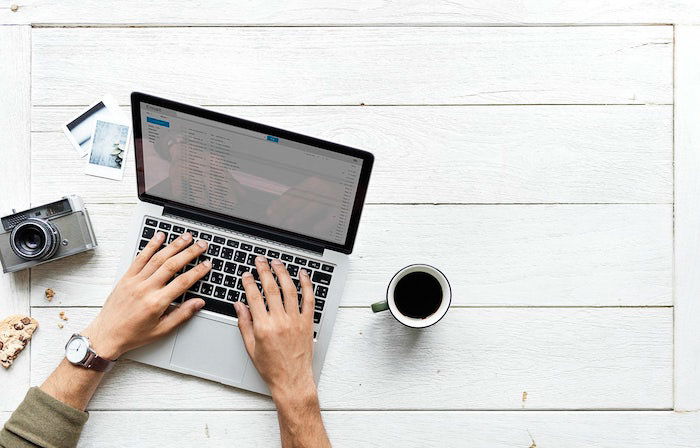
[(41, 420)]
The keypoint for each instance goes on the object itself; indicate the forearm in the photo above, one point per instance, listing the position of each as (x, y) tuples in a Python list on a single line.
[(72, 385), (300, 421)]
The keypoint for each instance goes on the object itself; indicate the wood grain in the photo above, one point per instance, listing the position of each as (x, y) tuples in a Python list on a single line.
[(14, 185), (483, 154), (318, 12), (473, 359), (687, 221), (609, 429), (373, 65), (575, 255)]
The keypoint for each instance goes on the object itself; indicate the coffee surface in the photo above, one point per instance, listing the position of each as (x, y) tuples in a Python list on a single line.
[(418, 295)]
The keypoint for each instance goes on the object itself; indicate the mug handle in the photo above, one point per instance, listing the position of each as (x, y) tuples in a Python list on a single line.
[(380, 306)]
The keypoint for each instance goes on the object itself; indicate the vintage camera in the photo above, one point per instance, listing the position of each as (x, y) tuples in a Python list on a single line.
[(45, 233)]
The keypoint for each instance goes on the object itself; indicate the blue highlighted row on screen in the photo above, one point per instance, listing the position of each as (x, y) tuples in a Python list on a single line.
[(273, 139), (158, 122)]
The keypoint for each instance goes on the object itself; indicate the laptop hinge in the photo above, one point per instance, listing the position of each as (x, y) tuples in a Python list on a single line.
[(243, 228)]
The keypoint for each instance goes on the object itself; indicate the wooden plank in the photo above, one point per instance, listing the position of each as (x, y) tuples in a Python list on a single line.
[(565, 255), (657, 429), (546, 154), (687, 220), (302, 65), (14, 184), (586, 358), (300, 12)]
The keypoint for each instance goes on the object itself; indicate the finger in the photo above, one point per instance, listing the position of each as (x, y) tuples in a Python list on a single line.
[(289, 289), (245, 325), (307, 293), (146, 254), (178, 261), (179, 315), (162, 255), (183, 282), (272, 292), (255, 300)]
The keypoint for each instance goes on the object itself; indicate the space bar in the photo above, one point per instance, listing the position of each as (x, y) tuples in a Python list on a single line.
[(217, 306)]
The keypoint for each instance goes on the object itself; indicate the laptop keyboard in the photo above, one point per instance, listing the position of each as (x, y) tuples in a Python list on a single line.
[(230, 258)]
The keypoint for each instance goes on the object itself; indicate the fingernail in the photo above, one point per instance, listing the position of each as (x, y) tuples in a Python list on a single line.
[(260, 258), (160, 235), (202, 244), (186, 236), (276, 261), (199, 304), (247, 274), (207, 263), (304, 273)]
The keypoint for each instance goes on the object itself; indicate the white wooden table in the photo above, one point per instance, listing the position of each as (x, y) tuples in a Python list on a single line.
[(545, 154)]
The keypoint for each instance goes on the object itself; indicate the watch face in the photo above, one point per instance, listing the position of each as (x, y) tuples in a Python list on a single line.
[(76, 350)]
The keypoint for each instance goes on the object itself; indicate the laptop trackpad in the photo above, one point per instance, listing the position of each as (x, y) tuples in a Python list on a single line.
[(212, 348)]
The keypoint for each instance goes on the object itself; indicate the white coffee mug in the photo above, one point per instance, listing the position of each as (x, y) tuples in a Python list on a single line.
[(416, 322)]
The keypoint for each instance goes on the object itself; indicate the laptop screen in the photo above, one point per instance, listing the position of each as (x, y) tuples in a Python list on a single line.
[(250, 175)]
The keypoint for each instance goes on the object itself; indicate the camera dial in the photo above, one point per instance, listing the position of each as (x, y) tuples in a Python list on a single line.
[(34, 239)]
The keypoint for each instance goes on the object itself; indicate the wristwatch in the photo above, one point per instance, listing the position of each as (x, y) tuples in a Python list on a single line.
[(79, 353)]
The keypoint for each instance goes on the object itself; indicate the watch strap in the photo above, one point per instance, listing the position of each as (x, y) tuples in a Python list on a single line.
[(95, 362)]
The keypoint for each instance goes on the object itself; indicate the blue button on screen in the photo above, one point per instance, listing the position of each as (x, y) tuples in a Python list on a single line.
[(158, 122), (273, 139)]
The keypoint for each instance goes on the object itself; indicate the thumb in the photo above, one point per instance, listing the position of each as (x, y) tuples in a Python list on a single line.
[(180, 315), (245, 325)]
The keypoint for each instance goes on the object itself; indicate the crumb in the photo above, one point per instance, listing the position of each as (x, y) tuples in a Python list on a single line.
[(49, 293), (14, 8), (62, 315), (60, 325), (524, 396)]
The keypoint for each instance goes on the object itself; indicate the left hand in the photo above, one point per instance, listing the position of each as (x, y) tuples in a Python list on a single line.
[(135, 312)]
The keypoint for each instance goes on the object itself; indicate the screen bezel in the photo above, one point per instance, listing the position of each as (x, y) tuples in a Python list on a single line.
[(367, 161)]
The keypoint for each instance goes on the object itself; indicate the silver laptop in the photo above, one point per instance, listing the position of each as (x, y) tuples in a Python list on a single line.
[(247, 189)]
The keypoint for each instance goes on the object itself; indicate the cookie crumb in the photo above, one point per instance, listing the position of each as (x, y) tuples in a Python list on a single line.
[(60, 325), (49, 293), (62, 315), (14, 8)]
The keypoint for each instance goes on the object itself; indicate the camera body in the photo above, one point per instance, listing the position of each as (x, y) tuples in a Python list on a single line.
[(45, 233)]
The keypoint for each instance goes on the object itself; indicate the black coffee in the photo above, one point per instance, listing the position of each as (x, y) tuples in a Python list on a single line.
[(418, 295)]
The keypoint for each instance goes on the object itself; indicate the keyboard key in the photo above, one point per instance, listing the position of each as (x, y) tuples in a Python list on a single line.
[(226, 253), (220, 293), (240, 256), (151, 222), (216, 306), (216, 278), (241, 269), (293, 270), (179, 229), (287, 257), (256, 276), (230, 281), (248, 247), (205, 236), (251, 260), (206, 289), (327, 268), (202, 258), (148, 232), (321, 277), (273, 254), (244, 299), (194, 233), (230, 268), (219, 240), (320, 304), (165, 225), (173, 237), (260, 250), (314, 335), (232, 243), (213, 250), (317, 317), (217, 264), (314, 264), (321, 291), (239, 286), (301, 261), (233, 295), (142, 244), (196, 286)]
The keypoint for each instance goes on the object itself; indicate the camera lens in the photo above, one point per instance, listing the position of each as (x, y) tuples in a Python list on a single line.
[(34, 239)]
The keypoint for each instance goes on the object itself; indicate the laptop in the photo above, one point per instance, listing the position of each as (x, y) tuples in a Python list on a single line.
[(248, 189)]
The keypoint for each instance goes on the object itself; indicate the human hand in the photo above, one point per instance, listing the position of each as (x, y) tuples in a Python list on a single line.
[(279, 341), (135, 312)]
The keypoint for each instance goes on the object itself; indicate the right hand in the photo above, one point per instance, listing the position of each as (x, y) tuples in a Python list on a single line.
[(279, 341)]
